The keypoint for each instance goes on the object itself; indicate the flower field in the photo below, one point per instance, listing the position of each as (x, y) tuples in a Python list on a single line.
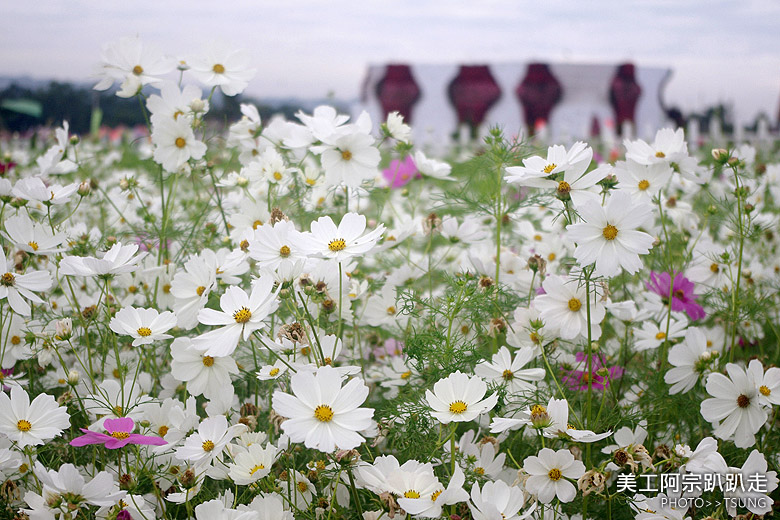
[(319, 318)]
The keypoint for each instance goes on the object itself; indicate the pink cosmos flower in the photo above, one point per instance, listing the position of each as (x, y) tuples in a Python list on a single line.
[(578, 379), (391, 347), (683, 298), (119, 434), (401, 172)]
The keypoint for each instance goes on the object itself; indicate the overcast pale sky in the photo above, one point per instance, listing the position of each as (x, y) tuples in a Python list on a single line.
[(720, 50)]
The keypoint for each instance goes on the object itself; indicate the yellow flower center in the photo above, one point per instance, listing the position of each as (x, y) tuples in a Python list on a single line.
[(554, 474), (180, 142), (660, 155), (508, 375), (162, 431), (23, 425), (714, 268), (551, 257), (406, 375), (242, 315), (33, 245), (302, 487), (643, 185), (207, 445), (458, 407), (610, 232), (435, 495), (765, 391), (660, 335), (391, 310), (7, 279), (411, 493), (277, 176), (138, 70), (200, 290), (15, 340), (218, 68), (479, 471), (120, 435), (346, 155), (208, 361), (575, 305), (144, 331), (336, 245), (538, 409), (244, 245), (256, 224), (273, 371), (564, 187), (549, 168), (284, 251), (256, 468), (323, 413)]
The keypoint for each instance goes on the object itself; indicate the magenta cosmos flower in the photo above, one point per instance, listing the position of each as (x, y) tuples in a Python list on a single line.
[(119, 434), (683, 298), (577, 379), (401, 172)]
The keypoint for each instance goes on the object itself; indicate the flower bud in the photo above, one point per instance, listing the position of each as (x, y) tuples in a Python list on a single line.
[(73, 376), (720, 155), (84, 188), (197, 105)]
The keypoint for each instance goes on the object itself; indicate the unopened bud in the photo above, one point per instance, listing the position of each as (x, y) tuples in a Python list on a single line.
[(720, 155), (198, 105), (73, 376), (85, 188)]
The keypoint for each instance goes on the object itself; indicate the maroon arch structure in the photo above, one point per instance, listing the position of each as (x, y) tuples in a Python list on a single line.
[(397, 91), (624, 94), (539, 92), (472, 92)]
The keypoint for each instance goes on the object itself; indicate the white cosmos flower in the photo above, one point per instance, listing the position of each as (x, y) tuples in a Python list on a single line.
[(642, 181), (224, 67), (690, 359), (652, 335), (459, 398), (119, 259), (16, 287), (549, 472), (735, 409), (563, 307), (609, 237), (253, 464), (432, 168), (209, 441), (669, 146), (768, 383), (31, 424), (33, 188), (322, 414), (558, 411), (350, 159), (241, 313), (173, 103), (102, 490), (134, 64), (343, 242), (396, 127), (32, 237), (498, 500), (175, 144), (504, 369), (207, 375), (144, 325), (274, 245)]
